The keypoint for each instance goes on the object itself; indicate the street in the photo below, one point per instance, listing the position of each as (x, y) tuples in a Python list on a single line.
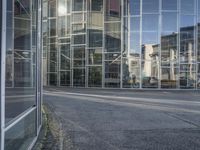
[(108, 119)]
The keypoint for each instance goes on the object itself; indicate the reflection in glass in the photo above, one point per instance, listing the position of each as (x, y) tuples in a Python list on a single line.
[(147, 47), (169, 4), (113, 11), (78, 5), (79, 56), (187, 44), (134, 24), (150, 74), (187, 6), (169, 76), (22, 134), (95, 76), (95, 56), (65, 78), (112, 74), (97, 5), (20, 60), (79, 77), (95, 38), (150, 22), (169, 22), (169, 48), (131, 71), (52, 79), (150, 6), (134, 7), (65, 57)]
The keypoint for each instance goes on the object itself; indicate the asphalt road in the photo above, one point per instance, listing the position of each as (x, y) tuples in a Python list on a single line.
[(96, 119)]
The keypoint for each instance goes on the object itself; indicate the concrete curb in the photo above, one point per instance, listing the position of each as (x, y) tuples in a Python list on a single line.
[(50, 137)]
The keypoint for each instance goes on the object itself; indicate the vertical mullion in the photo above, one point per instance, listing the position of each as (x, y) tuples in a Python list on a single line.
[(32, 5), (122, 42), (86, 41), (179, 44), (3, 70), (71, 50), (103, 49), (39, 61), (197, 40), (141, 18), (159, 47)]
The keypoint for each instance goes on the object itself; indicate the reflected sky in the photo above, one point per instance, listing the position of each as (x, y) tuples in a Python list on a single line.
[(153, 25)]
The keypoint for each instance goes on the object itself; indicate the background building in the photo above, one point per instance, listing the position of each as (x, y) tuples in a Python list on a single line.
[(20, 73), (122, 43)]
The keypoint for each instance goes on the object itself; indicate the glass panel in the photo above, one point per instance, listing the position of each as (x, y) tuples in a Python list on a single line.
[(150, 22), (52, 79), (94, 76), (52, 62), (112, 74), (113, 11), (52, 26), (169, 48), (97, 5), (78, 17), (78, 5), (169, 4), (169, 22), (20, 61), (65, 78), (63, 26), (131, 71), (135, 24), (95, 56), (187, 6), (169, 77), (95, 38), (150, 45), (79, 39), (62, 7), (135, 43), (79, 56), (78, 28), (134, 7), (79, 77), (187, 75), (187, 42), (113, 37), (149, 38), (22, 134), (95, 20), (52, 9), (65, 57), (150, 74), (150, 6)]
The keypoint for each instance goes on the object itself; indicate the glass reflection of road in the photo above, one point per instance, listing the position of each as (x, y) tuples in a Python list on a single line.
[(18, 100)]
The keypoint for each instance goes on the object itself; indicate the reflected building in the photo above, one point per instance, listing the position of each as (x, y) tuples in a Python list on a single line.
[(122, 43), (20, 73)]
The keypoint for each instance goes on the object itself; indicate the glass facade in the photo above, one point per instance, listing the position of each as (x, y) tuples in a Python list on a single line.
[(122, 43), (20, 73)]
